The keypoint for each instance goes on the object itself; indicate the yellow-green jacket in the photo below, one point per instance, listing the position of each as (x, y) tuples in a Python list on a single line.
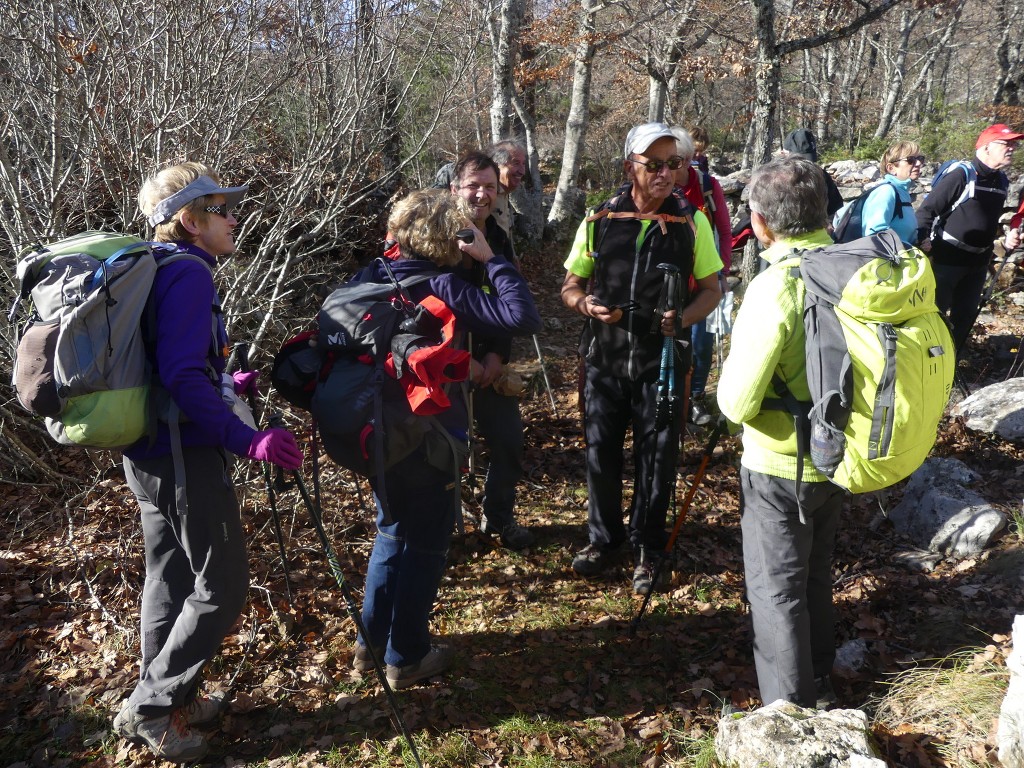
[(768, 338)]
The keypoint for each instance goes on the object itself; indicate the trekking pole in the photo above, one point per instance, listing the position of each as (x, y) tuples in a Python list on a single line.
[(667, 374), (666, 397), (353, 609), (243, 363), (544, 373), (698, 477)]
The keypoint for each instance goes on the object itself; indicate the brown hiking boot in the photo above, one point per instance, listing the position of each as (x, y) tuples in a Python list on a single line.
[(437, 660)]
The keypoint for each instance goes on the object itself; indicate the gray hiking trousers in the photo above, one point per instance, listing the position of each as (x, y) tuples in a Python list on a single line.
[(197, 574), (788, 572)]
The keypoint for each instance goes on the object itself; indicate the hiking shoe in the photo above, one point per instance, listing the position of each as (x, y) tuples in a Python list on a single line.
[(169, 737), (591, 560), (644, 573), (826, 694), (362, 661), (512, 535), (205, 709), (699, 414), (437, 660), (124, 724)]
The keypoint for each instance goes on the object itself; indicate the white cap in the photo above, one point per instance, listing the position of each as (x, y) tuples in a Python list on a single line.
[(640, 137)]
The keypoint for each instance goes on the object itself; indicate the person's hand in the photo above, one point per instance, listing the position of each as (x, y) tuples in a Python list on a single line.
[(277, 446), (593, 307), (925, 245), (1012, 240), (479, 250), (245, 383), (491, 367), (668, 323), (475, 371)]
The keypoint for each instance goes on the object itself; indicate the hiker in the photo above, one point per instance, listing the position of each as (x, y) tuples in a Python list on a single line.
[(701, 142), (613, 279), (409, 554), (888, 204), (704, 193), (787, 563), (801, 143), (510, 157), (495, 401), (958, 223), (197, 572)]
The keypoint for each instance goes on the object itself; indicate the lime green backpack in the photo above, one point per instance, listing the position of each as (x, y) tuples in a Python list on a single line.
[(81, 360), (880, 362)]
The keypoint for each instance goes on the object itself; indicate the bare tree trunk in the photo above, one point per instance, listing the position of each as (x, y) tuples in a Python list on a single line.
[(657, 96), (826, 79), (569, 199), (894, 82), (1009, 88), (505, 34), (527, 199), (767, 80)]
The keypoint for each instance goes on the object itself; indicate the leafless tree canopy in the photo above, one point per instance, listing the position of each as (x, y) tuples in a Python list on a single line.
[(327, 108)]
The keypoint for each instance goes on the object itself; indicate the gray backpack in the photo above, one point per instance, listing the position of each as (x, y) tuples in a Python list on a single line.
[(81, 357)]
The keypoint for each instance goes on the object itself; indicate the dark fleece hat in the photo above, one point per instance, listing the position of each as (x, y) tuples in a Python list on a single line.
[(802, 142)]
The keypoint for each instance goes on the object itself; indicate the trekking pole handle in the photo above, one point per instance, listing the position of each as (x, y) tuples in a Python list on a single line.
[(671, 277)]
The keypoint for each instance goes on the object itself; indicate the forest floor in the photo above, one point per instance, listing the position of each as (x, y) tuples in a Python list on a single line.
[(547, 671)]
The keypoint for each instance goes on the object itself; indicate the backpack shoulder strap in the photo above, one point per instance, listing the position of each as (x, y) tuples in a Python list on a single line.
[(597, 225), (708, 190)]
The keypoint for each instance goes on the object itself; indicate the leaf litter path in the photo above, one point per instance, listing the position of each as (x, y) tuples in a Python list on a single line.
[(545, 667)]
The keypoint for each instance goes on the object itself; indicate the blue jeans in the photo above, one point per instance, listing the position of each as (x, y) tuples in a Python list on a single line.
[(703, 347), (497, 417), (408, 559)]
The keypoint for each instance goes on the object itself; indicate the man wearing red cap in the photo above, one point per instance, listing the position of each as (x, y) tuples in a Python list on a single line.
[(959, 221)]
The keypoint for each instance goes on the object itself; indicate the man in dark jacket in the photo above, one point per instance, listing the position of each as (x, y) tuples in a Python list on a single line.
[(958, 223), (476, 179), (614, 279), (802, 143)]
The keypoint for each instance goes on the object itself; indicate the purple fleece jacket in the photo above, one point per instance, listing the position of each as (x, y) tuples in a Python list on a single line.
[(184, 296), (508, 311)]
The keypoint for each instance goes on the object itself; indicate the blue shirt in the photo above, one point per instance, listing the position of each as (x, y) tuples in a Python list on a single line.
[(880, 211)]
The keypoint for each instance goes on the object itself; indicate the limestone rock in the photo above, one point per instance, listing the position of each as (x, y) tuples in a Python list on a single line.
[(941, 515), (783, 735), (1010, 733), (997, 408)]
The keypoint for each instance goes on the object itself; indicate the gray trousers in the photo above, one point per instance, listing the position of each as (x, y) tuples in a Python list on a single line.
[(197, 574), (500, 423), (788, 571)]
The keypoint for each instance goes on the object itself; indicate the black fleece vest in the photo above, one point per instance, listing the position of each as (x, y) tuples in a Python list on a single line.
[(625, 270)]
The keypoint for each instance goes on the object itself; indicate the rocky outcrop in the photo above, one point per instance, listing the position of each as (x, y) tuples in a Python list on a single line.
[(784, 735)]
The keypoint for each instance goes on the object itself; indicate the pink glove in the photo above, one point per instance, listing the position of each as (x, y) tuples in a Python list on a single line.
[(277, 446), (245, 382)]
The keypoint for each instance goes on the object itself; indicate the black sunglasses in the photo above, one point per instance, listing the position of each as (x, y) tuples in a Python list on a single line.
[(653, 166), (913, 159), (220, 210)]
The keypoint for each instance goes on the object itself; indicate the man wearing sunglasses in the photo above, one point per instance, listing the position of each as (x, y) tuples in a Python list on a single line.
[(615, 277), (958, 224)]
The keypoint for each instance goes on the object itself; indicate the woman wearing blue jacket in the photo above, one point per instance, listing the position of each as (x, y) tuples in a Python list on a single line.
[(197, 571), (410, 554), (888, 205)]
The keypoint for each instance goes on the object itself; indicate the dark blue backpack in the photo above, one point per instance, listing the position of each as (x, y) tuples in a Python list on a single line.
[(850, 222)]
